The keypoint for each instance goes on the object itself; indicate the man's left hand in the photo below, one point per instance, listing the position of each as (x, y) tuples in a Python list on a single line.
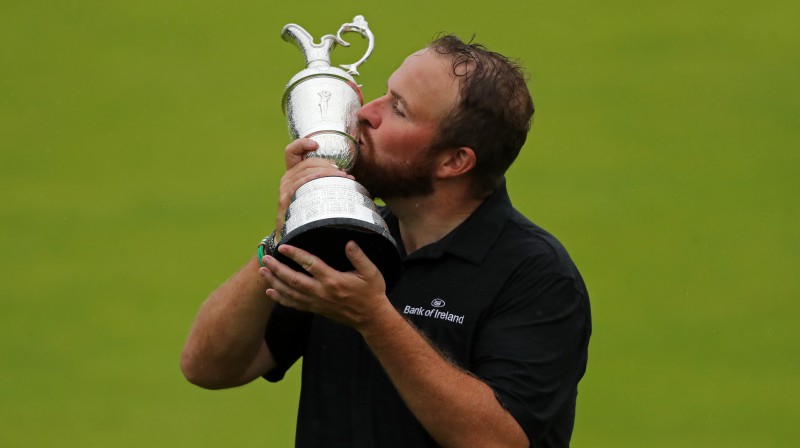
[(352, 298)]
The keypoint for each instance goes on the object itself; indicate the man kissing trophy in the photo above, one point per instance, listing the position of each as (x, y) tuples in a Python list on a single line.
[(321, 103)]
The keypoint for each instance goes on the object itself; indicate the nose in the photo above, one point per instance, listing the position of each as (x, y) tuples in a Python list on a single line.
[(369, 113)]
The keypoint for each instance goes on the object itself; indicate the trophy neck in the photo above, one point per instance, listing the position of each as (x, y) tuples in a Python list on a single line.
[(317, 55)]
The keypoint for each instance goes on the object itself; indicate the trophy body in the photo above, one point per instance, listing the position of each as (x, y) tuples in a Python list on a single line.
[(321, 102)]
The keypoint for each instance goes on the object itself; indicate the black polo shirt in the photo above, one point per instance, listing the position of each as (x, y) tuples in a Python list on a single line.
[(498, 296)]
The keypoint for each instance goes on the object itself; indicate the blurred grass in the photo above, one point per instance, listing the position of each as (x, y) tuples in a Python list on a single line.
[(141, 148)]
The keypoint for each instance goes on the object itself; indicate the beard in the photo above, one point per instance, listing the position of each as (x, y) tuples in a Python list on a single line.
[(385, 181)]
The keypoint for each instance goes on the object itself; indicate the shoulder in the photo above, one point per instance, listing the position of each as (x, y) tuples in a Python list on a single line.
[(534, 272), (525, 244)]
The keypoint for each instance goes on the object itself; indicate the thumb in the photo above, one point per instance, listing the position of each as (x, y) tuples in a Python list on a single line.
[(360, 261)]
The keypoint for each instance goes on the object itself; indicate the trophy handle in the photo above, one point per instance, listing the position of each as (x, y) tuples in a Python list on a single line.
[(360, 26)]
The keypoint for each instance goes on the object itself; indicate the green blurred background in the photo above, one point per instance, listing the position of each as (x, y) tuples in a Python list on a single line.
[(142, 146)]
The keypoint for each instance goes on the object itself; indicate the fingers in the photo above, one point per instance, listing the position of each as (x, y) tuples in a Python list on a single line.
[(345, 297), (299, 175), (283, 278), (297, 150), (310, 263), (311, 169), (283, 300), (286, 285), (289, 287)]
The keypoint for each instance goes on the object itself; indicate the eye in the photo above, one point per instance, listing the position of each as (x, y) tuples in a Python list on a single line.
[(397, 111)]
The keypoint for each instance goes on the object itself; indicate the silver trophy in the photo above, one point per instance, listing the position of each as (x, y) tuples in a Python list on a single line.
[(321, 102)]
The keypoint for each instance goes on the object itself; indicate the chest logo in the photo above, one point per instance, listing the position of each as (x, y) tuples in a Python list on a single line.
[(436, 312)]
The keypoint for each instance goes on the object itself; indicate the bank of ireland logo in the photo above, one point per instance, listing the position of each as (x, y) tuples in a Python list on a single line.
[(435, 312)]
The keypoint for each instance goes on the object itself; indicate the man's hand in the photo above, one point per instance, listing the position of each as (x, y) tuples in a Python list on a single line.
[(296, 151), (354, 298), (300, 170)]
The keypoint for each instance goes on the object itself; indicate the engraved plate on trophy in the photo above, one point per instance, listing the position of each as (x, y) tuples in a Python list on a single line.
[(321, 102)]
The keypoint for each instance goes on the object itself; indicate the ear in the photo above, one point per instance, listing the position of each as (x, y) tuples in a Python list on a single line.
[(456, 162)]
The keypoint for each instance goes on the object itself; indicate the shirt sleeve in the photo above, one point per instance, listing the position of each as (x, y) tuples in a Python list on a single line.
[(286, 337), (532, 349)]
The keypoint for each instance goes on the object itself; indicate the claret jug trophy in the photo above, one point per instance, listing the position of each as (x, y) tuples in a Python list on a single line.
[(321, 102)]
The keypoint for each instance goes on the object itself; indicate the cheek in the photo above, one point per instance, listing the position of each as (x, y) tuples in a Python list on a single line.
[(412, 138), (402, 144)]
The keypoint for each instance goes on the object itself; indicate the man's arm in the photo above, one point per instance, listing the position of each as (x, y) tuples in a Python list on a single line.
[(226, 347), (456, 408)]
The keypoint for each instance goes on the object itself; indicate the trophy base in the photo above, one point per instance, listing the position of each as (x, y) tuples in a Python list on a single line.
[(326, 239), (326, 213)]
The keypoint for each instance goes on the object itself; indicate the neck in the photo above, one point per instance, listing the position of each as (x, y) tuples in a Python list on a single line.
[(425, 220)]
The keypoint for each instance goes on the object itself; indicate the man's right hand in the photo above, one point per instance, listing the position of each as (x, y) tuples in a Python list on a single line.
[(300, 170)]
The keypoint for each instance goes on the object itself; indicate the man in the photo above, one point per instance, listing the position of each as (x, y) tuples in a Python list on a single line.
[(483, 340)]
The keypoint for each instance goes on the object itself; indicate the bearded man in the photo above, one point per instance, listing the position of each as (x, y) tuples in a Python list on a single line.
[(484, 338)]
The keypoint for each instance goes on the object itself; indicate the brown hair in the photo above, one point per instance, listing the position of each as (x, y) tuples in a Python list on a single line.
[(494, 112)]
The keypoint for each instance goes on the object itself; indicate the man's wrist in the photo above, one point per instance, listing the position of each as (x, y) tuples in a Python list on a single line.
[(384, 318), (266, 247)]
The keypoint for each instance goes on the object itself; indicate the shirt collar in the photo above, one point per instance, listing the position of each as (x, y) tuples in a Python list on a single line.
[(473, 238)]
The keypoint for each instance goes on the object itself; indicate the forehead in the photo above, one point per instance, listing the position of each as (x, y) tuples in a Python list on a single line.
[(426, 83)]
